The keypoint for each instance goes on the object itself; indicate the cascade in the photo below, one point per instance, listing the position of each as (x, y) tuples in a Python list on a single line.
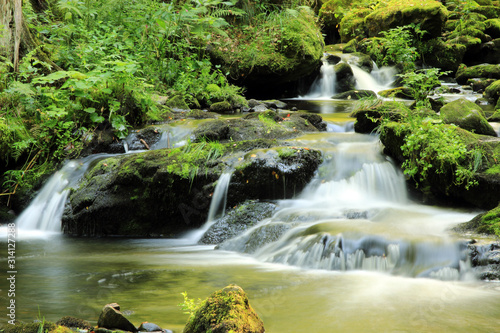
[(323, 86), (45, 211), (217, 207), (355, 215)]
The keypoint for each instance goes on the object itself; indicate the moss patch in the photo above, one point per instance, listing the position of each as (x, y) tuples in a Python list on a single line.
[(226, 310)]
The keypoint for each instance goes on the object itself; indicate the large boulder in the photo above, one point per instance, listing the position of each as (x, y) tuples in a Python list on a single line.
[(467, 115), (430, 14), (227, 310), (112, 318), (168, 191), (439, 186), (275, 57)]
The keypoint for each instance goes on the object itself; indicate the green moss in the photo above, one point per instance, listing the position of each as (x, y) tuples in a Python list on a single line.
[(221, 107), (30, 327), (226, 310), (489, 223), (177, 102), (488, 11), (492, 27), (282, 45), (493, 91), (480, 71), (285, 153)]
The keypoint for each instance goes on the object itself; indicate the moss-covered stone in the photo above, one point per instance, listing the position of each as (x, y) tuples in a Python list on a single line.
[(492, 92), (177, 102), (492, 28), (69, 321), (46, 326), (490, 12), (363, 61), (467, 115), (465, 73), (399, 92), (368, 119), (221, 107), (430, 14), (227, 310), (485, 223), (271, 54)]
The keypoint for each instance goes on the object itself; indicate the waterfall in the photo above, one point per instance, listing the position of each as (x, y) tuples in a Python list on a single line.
[(217, 207), (377, 80), (45, 211), (323, 86)]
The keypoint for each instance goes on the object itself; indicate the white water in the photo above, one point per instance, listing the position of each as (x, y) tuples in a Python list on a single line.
[(45, 211), (355, 215), (324, 86), (216, 210)]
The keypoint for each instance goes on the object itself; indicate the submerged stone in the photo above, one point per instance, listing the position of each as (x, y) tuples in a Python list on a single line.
[(227, 310)]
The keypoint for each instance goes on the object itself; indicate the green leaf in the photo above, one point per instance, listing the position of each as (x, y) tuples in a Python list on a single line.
[(96, 118)]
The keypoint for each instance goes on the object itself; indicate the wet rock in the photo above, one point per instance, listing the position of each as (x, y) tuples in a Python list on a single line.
[(217, 130), (345, 77), (479, 71), (226, 310), (177, 102), (73, 322), (273, 174), (368, 119), (492, 92), (479, 85), (237, 220), (151, 327), (332, 59), (143, 139), (315, 120), (103, 141), (485, 260), (112, 318), (162, 193), (221, 107), (355, 94), (275, 104), (467, 115)]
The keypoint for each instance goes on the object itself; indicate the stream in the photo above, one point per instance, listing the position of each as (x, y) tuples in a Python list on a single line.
[(351, 253)]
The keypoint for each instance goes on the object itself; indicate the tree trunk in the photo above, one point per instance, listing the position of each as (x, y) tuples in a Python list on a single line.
[(11, 22)]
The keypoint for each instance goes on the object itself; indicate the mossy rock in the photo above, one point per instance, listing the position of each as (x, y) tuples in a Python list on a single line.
[(488, 71), (345, 77), (479, 85), (227, 310), (69, 321), (353, 25), (355, 94), (467, 115), (399, 92), (350, 46), (492, 92), (221, 107), (486, 223), (447, 55), (492, 28), (177, 102), (490, 12), (368, 119), (267, 67), (495, 117), (217, 130), (430, 14), (47, 326)]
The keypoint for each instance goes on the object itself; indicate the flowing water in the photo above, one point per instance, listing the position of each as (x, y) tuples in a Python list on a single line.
[(351, 253)]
